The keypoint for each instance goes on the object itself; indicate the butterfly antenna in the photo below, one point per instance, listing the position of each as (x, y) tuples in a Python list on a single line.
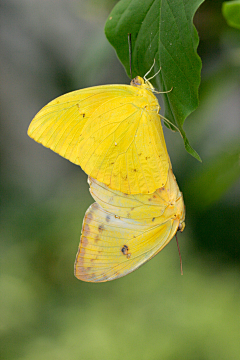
[(156, 75), (149, 70), (179, 255), (130, 53)]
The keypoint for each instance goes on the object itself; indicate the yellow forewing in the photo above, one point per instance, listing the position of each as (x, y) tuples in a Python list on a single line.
[(113, 132), (125, 231), (59, 124)]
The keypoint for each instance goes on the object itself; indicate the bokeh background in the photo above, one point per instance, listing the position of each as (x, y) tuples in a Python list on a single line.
[(50, 47)]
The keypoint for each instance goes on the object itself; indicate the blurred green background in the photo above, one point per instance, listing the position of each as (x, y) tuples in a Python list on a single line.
[(55, 46)]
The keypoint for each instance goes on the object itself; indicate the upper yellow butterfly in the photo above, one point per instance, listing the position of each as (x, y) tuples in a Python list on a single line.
[(113, 132)]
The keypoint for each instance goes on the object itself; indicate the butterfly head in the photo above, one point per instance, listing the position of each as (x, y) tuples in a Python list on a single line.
[(180, 213), (138, 81), (181, 226)]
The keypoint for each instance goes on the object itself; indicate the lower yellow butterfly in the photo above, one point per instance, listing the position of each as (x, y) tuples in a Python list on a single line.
[(113, 132), (121, 232)]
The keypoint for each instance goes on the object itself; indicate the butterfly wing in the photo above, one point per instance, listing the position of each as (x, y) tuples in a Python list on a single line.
[(113, 132), (124, 148), (59, 124), (111, 247), (121, 232), (141, 207)]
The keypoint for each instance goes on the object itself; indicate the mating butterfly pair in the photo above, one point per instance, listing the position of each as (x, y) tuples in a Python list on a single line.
[(114, 133)]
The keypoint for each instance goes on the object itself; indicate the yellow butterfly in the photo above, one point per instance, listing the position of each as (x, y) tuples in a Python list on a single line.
[(113, 132), (121, 232)]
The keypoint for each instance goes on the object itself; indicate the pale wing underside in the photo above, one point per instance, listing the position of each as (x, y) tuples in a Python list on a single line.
[(111, 247), (141, 207)]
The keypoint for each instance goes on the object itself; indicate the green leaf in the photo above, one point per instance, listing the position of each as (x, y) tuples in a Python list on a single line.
[(162, 30), (231, 12), (211, 182)]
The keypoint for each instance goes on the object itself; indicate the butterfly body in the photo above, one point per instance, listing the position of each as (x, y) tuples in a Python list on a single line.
[(113, 132)]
